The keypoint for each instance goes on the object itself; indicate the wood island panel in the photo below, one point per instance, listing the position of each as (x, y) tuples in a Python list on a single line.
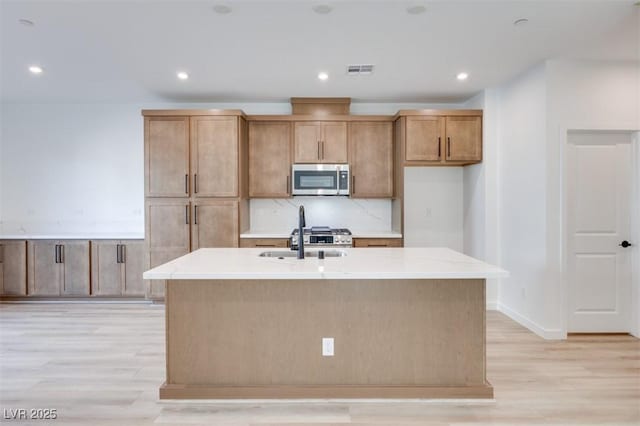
[(262, 339)]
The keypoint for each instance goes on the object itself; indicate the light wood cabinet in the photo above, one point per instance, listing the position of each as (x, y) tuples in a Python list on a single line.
[(13, 267), (377, 242), (117, 267), (320, 142), (464, 139), (424, 138), (215, 224), (439, 140), (58, 268), (371, 153), (269, 159), (264, 242), (214, 156), (166, 156)]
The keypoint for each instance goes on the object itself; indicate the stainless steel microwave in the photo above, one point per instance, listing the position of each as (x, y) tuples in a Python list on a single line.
[(320, 179)]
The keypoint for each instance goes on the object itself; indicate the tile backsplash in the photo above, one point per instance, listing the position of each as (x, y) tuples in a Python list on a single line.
[(359, 215)]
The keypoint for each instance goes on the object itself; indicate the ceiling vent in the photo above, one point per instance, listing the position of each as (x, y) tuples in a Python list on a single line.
[(359, 69)]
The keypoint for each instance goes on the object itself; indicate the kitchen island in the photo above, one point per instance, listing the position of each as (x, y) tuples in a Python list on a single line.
[(405, 323)]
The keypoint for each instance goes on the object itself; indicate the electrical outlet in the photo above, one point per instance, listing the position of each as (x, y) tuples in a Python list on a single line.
[(327, 346)]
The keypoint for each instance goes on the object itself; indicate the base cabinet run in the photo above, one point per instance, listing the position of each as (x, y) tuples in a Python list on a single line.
[(58, 268), (13, 267)]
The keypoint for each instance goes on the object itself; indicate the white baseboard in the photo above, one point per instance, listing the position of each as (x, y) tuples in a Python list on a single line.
[(492, 306), (545, 333)]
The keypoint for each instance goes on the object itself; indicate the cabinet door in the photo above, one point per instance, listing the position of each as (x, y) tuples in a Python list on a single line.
[(215, 224), (371, 159), (464, 139), (167, 156), (132, 258), (333, 145), (167, 223), (45, 271), (75, 261), (424, 138), (106, 271), (269, 159), (13, 268), (307, 142), (214, 156)]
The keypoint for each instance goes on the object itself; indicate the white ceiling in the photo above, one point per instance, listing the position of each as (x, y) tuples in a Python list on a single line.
[(122, 51)]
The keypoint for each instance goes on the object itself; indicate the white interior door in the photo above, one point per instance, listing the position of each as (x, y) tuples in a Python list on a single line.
[(598, 221)]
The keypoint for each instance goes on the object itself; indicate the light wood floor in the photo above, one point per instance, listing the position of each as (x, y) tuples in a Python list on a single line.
[(101, 364)]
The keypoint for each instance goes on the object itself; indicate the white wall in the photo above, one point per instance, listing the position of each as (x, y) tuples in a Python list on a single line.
[(480, 193), (522, 197), (535, 111), (433, 202), (78, 168), (583, 95)]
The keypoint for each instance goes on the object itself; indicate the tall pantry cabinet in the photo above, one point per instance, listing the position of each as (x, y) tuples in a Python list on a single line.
[(196, 183)]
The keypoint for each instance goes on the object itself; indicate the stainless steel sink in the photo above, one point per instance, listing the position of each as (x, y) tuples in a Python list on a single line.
[(281, 254)]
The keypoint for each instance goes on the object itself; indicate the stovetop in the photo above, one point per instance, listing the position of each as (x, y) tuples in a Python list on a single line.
[(323, 230)]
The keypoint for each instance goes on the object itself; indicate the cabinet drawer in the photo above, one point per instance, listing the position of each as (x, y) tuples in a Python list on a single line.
[(377, 242), (264, 242)]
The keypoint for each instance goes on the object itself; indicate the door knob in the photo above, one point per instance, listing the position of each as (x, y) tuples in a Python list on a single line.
[(625, 244)]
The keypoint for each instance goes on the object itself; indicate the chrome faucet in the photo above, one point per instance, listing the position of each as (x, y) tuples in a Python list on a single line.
[(301, 225)]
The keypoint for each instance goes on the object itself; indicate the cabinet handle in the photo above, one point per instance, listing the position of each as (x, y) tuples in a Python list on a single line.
[(195, 214), (195, 183), (186, 184), (439, 148), (56, 253), (123, 253), (1, 253), (448, 147), (353, 184), (322, 144), (319, 150), (186, 214), (376, 245), (117, 253), (61, 253), (288, 184)]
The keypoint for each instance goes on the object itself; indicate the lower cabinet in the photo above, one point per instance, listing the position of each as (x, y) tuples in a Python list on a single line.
[(117, 267), (13, 267), (264, 242), (377, 242), (58, 268)]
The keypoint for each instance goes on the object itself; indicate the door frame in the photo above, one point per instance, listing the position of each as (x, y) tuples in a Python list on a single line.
[(634, 203)]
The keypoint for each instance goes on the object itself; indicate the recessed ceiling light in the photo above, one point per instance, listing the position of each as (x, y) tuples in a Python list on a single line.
[(322, 9), (520, 22), (222, 9), (462, 76), (26, 22), (35, 69), (323, 76), (416, 10), (182, 75)]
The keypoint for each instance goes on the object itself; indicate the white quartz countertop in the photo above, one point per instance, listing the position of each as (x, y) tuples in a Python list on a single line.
[(83, 236), (286, 234), (359, 263)]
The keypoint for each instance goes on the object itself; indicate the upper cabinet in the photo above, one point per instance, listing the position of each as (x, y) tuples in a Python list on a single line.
[(464, 139), (371, 153), (320, 142), (270, 159), (166, 156), (214, 156), (191, 156), (441, 140)]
